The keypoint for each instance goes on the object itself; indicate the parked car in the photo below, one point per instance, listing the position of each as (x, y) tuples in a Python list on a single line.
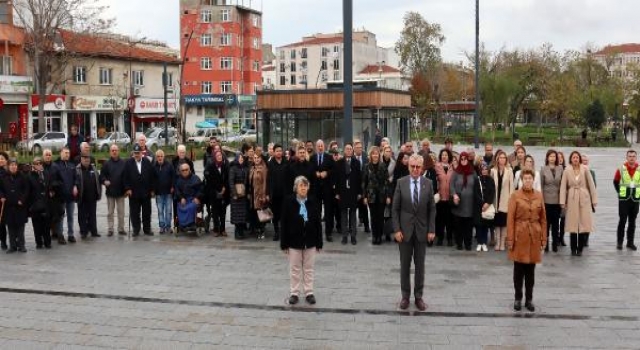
[(203, 135), (119, 138), (156, 137), (54, 140), (247, 135)]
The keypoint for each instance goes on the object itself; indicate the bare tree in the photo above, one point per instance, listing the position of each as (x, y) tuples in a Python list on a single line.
[(42, 20)]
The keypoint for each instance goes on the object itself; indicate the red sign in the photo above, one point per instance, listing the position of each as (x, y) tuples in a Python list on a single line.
[(1, 103), (23, 110), (131, 103), (51, 102)]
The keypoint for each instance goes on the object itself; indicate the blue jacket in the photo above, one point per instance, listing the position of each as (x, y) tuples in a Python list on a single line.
[(188, 188), (165, 177), (67, 171)]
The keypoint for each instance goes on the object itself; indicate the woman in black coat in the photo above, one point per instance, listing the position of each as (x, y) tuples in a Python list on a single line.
[(238, 175), (4, 158), (216, 177), (14, 193), (301, 238), (38, 208), (485, 192)]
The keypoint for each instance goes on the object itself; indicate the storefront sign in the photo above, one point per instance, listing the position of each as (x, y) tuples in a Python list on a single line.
[(247, 100), (52, 102), (10, 84), (210, 100), (23, 112), (154, 105), (97, 103)]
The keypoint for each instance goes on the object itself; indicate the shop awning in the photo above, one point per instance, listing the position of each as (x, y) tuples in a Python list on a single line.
[(152, 116)]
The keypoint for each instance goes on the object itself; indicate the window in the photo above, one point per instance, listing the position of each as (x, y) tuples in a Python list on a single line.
[(303, 54), (6, 65), (325, 52), (205, 63), (226, 63), (282, 70), (80, 75), (293, 79), (293, 66), (106, 76), (256, 43), (255, 19), (303, 79), (225, 87), (336, 64), (303, 65), (206, 87), (205, 40), (225, 39), (282, 54), (336, 75), (293, 54), (138, 77), (225, 15), (256, 66), (336, 49), (323, 65), (205, 16), (283, 80), (169, 79), (5, 7)]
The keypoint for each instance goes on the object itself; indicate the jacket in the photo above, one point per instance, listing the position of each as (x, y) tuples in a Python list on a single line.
[(579, 197), (67, 172), (188, 188), (467, 204), (409, 220), (278, 179), (258, 175), (215, 179), (295, 233), (140, 184), (348, 186), (15, 188), (165, 178), (526, 227), (502, 203), (80, 173), (375, 183), (485, 193), (444, 180), (550, 184), (38, 195), (112, 171)]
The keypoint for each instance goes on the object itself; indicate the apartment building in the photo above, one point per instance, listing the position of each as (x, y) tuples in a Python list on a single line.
[(622, 60)]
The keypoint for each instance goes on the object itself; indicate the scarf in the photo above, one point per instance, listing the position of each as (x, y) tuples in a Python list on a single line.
[(464, 170), (303, 209)]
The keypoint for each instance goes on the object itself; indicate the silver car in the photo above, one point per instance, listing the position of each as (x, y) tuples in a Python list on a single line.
[(156, 138), (53, 140), (119, 138)]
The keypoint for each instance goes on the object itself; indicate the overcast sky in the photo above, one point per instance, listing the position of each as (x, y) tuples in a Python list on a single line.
[(566, 24)]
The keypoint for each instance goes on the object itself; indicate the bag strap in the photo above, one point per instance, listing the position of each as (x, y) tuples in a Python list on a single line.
[(481, 190)]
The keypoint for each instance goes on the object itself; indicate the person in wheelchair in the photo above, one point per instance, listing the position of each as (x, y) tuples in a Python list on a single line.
[(188, 193)]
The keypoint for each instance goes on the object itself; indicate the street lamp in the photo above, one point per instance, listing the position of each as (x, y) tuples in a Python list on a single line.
[(380, 70), (476, 119)]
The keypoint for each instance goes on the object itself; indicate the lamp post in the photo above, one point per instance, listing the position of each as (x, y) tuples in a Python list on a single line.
[(380, 70), (476, 117), (347, 14)]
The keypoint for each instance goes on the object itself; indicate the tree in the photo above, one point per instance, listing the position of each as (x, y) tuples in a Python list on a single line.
[(42, 20), (594, 115), (419, 51)]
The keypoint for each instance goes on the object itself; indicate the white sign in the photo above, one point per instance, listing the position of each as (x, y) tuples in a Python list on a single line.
[(154, 105), (10, 84), (97, 103)]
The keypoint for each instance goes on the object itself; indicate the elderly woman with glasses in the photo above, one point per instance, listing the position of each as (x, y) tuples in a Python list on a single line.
[(301, 239)]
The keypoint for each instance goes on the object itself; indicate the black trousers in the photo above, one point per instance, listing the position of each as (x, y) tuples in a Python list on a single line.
[(135, 206), (524, 273), (578, 241), (363, 214), (16, 237), (444, 221), (87, 217), (41, 230), (276, 208), (3, 234), (218, 214), (350, 226), (463, 231), (377, 218), (416, 251), (553, 222), (627, 211), (337, 214)]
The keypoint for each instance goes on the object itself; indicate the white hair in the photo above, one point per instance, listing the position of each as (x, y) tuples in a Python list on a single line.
[(299, 180), (182, 148)]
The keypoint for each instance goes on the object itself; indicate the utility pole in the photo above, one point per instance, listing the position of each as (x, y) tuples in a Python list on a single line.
[(347, 17), (476, 117), (165, 81)]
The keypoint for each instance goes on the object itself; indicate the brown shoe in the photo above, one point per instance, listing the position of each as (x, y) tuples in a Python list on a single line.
[(404, 303), (420, 304)]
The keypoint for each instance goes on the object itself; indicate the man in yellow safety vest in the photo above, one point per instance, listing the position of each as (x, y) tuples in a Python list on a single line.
[(626, 181)]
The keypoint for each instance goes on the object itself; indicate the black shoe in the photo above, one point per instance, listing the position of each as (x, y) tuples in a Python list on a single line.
[(345, 240), (293, 300), (71, 239), (579, 253), (574, 253), (39, 246), (83, 236), (367, 230), (47, 246), (555, 248), (149, 233), (517, 305), (11, 251), (136, 234), (95, 234), (619, 246), (632, 247), (4, 246), (22, 250), (122, 233), (329, 238), (311, 299), (449, 243), (353, 240), (562, 243), (459, 247), (529, 306), (467, 248)]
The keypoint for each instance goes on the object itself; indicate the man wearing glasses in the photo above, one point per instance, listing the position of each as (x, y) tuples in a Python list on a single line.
[(111, 178), (139, 181), (413, 215)]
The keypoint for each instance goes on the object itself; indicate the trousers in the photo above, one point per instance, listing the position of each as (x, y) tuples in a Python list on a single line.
[(524, 273), (627, 211), (553, 222), (113, 204), (301, 267), (87, 217), (416, 251), (41, 230), (137, 205), (350, 227)]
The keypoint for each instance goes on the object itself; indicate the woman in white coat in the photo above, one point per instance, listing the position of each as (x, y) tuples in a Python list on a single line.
[(530, 164), (503, 178)]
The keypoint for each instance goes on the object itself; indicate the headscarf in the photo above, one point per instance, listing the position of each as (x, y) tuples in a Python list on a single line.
[(464, 170)]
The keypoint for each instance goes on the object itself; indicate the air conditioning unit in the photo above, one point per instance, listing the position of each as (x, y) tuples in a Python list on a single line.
[(136, 91)]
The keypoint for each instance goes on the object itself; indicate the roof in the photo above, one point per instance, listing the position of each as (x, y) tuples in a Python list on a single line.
[(268, 68), (94, 45), (318, 41), (374, 68), (623, 48)]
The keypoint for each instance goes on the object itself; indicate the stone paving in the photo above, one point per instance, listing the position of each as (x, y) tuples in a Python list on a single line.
[(164, 292)]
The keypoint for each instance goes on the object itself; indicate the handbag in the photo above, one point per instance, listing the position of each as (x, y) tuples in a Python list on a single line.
[(490, 213), (241, 191), (265, 215)]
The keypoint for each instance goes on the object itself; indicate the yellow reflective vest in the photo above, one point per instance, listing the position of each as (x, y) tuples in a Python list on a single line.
[(626, 189)]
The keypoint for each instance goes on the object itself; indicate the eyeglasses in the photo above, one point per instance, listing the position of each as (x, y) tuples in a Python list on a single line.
[(415, 166), (184, 170)]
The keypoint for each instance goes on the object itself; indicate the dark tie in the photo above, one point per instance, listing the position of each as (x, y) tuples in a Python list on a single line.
[(415, 195), (320, 160)]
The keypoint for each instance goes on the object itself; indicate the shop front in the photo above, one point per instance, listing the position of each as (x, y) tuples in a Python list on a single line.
[(14, 107), (247, 111), (55, 113), (96, 115), (149, 112), (219, 109)]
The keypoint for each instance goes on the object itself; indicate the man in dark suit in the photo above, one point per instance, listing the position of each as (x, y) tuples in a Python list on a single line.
[(323, 163), (348, 187), (413, 215), (363, 209), (301, 167), (139, 182)]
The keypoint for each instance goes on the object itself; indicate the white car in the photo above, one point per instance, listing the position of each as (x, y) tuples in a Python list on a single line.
[(39, 141), (247, 135), (156, 137), (203, 135), (119, 138)]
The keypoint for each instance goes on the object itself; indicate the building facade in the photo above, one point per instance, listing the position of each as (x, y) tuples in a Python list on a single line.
[(622, 61), (221, 43)]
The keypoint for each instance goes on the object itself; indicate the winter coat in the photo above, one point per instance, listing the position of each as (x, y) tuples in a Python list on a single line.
[(508, 186), (295, 233), (526, 227), (551, 184), (348, 194), (484, 195), (38, 195), (466, 206), (165, 177), (238, 174), (80, 174), (258, 175), (215, 179), (305, 169), (112, 171), (67, 172), (375, 183), (278, 179), (15, 188), (579, 197), (444, 181), (188, 188), (141, 184), (176, 162)]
